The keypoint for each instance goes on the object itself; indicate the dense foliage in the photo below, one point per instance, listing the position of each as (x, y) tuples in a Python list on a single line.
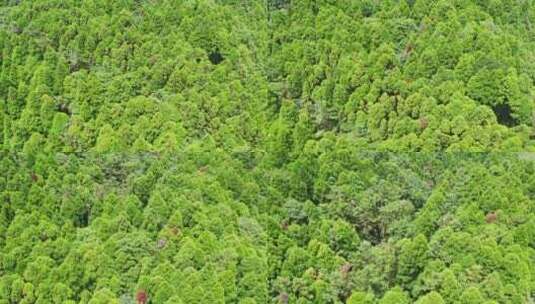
[(230, 151)]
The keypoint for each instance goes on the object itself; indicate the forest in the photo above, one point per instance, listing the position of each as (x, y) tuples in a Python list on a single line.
[(267, 151)]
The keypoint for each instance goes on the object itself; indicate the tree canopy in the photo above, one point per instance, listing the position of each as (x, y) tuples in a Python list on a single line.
[(303, 151)]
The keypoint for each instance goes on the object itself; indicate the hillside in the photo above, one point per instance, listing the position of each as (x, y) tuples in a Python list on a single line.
[(229, 151)]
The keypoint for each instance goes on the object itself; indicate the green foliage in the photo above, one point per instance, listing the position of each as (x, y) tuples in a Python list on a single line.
[(431, 298), (263, 151), (394, 295), (360, 297)]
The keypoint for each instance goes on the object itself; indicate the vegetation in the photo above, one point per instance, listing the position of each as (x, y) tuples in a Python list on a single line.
[(304, 151)]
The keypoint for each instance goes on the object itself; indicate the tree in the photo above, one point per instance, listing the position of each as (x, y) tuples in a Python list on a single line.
[(432, 297), (360, 297), (104, 296), (394, 295)]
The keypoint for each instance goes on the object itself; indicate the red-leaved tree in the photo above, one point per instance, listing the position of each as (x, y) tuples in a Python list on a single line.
[(141, 297)]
